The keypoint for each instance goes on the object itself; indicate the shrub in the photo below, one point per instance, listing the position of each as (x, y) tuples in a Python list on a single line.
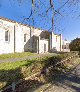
[(75, 45)]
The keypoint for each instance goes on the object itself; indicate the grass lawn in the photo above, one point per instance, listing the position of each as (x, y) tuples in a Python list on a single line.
[(14, 71), (15, 55), (14, 65)]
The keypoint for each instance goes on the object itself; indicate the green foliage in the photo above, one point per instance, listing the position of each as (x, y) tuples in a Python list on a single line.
[(75, 45), (45, 34)]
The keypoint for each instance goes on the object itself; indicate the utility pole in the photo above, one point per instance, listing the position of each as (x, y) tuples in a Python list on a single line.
[(52, 6), (52, 23), (33, 23)]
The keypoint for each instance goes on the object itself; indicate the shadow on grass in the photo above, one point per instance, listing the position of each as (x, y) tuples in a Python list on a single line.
[(49, 71), (10, 76), (26, 86), (7, 77)]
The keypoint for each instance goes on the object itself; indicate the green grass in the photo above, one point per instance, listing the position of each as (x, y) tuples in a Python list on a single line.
[(15, 55), (14, 71), (14, 65)]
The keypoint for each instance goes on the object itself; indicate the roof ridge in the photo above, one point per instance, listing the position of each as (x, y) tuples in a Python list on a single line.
[(13, 21)]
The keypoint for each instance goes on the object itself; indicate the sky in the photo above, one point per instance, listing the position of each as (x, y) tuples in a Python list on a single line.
[(66, 23)]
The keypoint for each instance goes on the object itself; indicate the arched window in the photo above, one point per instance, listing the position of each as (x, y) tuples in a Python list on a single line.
[(6, 35), (24, 37)]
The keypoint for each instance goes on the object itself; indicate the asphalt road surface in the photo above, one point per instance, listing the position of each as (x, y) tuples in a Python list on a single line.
[(67, 83)]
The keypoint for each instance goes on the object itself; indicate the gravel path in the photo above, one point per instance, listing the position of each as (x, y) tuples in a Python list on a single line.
[(28, 57)]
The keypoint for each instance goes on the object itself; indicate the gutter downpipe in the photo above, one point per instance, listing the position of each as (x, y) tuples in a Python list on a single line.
[(14, 39), (38, 43)]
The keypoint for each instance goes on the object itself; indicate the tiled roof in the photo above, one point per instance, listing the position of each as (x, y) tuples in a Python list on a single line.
[(6, 19)]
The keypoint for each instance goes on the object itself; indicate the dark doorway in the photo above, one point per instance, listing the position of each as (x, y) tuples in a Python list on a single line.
[(44, 47)]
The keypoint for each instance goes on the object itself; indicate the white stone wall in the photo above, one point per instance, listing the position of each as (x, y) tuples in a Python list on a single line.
[(37, 32), (56, 42), (65, 45), (28, 43), (19, 38), (20, 31), (32, 38), (32, 35), (42, 46), (35, 39), (6, 46)]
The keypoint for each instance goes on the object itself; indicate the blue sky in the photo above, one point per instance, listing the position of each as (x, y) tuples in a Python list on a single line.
[(68, 23)]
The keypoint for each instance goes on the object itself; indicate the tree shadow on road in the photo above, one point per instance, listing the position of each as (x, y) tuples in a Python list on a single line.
[(63, 79)]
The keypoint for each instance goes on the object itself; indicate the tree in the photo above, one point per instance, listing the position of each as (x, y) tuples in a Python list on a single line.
[(45, 11), (75, 45), (45, 34)]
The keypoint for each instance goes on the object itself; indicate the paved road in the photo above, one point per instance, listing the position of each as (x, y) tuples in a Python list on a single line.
[(67, 83), (77, 71)]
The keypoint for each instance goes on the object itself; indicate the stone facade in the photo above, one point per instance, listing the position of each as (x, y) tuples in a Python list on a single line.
[(43, 45), (6, 46), (17, 37), (55, 42), (65, 46), (20, 38)]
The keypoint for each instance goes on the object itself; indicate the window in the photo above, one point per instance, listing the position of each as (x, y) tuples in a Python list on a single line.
[(67, 45), (24, 37), (63, 46), (6, 35)]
